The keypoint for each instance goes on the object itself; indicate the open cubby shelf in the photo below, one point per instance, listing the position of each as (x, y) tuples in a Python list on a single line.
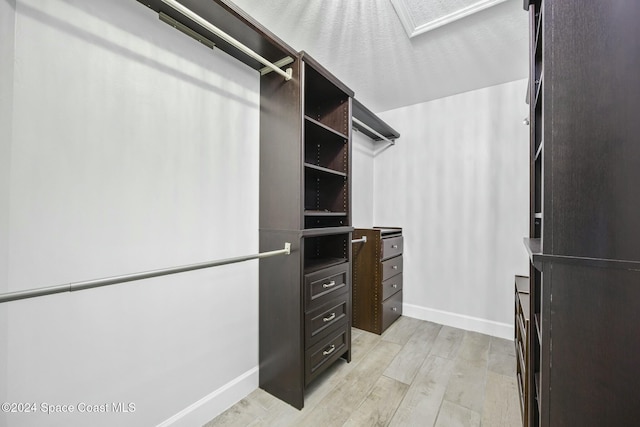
[(325, 250)]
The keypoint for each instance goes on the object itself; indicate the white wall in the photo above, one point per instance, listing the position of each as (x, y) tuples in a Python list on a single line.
[(133, 148), (457, 182), (7, 14), (362, 185)]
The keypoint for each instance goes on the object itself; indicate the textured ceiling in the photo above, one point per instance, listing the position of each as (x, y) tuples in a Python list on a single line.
[(364, 43)]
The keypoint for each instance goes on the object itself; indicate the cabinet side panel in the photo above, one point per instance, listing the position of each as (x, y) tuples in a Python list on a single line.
[(280, 151), (366, 281), (280, 313), (594, 347), (594, 128)]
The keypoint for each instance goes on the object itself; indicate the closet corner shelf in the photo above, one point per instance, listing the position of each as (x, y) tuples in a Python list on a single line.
[(367, 117)]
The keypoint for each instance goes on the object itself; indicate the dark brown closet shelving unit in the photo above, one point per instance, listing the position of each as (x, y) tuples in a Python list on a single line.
[(305, 199), (580, 361)]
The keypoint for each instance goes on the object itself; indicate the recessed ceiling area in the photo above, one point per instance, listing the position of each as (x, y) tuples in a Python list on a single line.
[(365, 44), (419, 16)]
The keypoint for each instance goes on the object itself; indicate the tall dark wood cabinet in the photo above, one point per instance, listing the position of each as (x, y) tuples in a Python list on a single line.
[(584, 342), (377, 278), (305, 199)]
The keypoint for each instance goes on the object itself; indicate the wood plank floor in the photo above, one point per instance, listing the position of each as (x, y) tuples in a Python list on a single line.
[(416, 374)]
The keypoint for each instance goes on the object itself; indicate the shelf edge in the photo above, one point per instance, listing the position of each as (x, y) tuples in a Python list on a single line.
[(370, 119)]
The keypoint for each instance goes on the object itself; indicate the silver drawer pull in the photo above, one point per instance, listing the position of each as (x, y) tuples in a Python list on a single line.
[(395, 267), (394, 286), (329, 285), (330, 318), (394, 308), (394, 246), (331, 350)]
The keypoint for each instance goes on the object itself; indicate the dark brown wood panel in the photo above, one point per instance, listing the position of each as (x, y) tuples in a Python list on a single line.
[(594, 130), (595, 375), (281, 331), (280, 152)]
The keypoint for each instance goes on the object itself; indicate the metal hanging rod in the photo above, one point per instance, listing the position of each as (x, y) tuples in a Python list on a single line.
[(226, 37), (114, 280), (373, 131), (363, 239)]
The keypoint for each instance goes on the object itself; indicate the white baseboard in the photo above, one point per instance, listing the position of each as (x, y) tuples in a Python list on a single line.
[(461, 321), (215, 403)]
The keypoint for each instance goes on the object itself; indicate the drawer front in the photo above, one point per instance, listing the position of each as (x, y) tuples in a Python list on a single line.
[(391, 310), (391, 267), (321, 322), (391, 246), (391, 286), (322, 286), (320, 356)]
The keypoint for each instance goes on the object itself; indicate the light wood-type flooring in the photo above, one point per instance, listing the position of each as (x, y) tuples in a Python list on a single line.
[(416, 374)]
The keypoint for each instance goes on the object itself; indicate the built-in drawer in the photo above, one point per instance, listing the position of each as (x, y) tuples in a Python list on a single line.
[(391, 309), (320, 356), (391, 246), (391, 267), (391, 286), (323, 321), (324, 285)]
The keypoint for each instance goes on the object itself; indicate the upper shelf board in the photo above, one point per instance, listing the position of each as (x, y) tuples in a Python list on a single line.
[(367, 117), (233, 21)]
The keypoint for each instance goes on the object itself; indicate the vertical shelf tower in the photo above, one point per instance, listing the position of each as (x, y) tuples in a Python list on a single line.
[(305, 199), (582, 339)]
